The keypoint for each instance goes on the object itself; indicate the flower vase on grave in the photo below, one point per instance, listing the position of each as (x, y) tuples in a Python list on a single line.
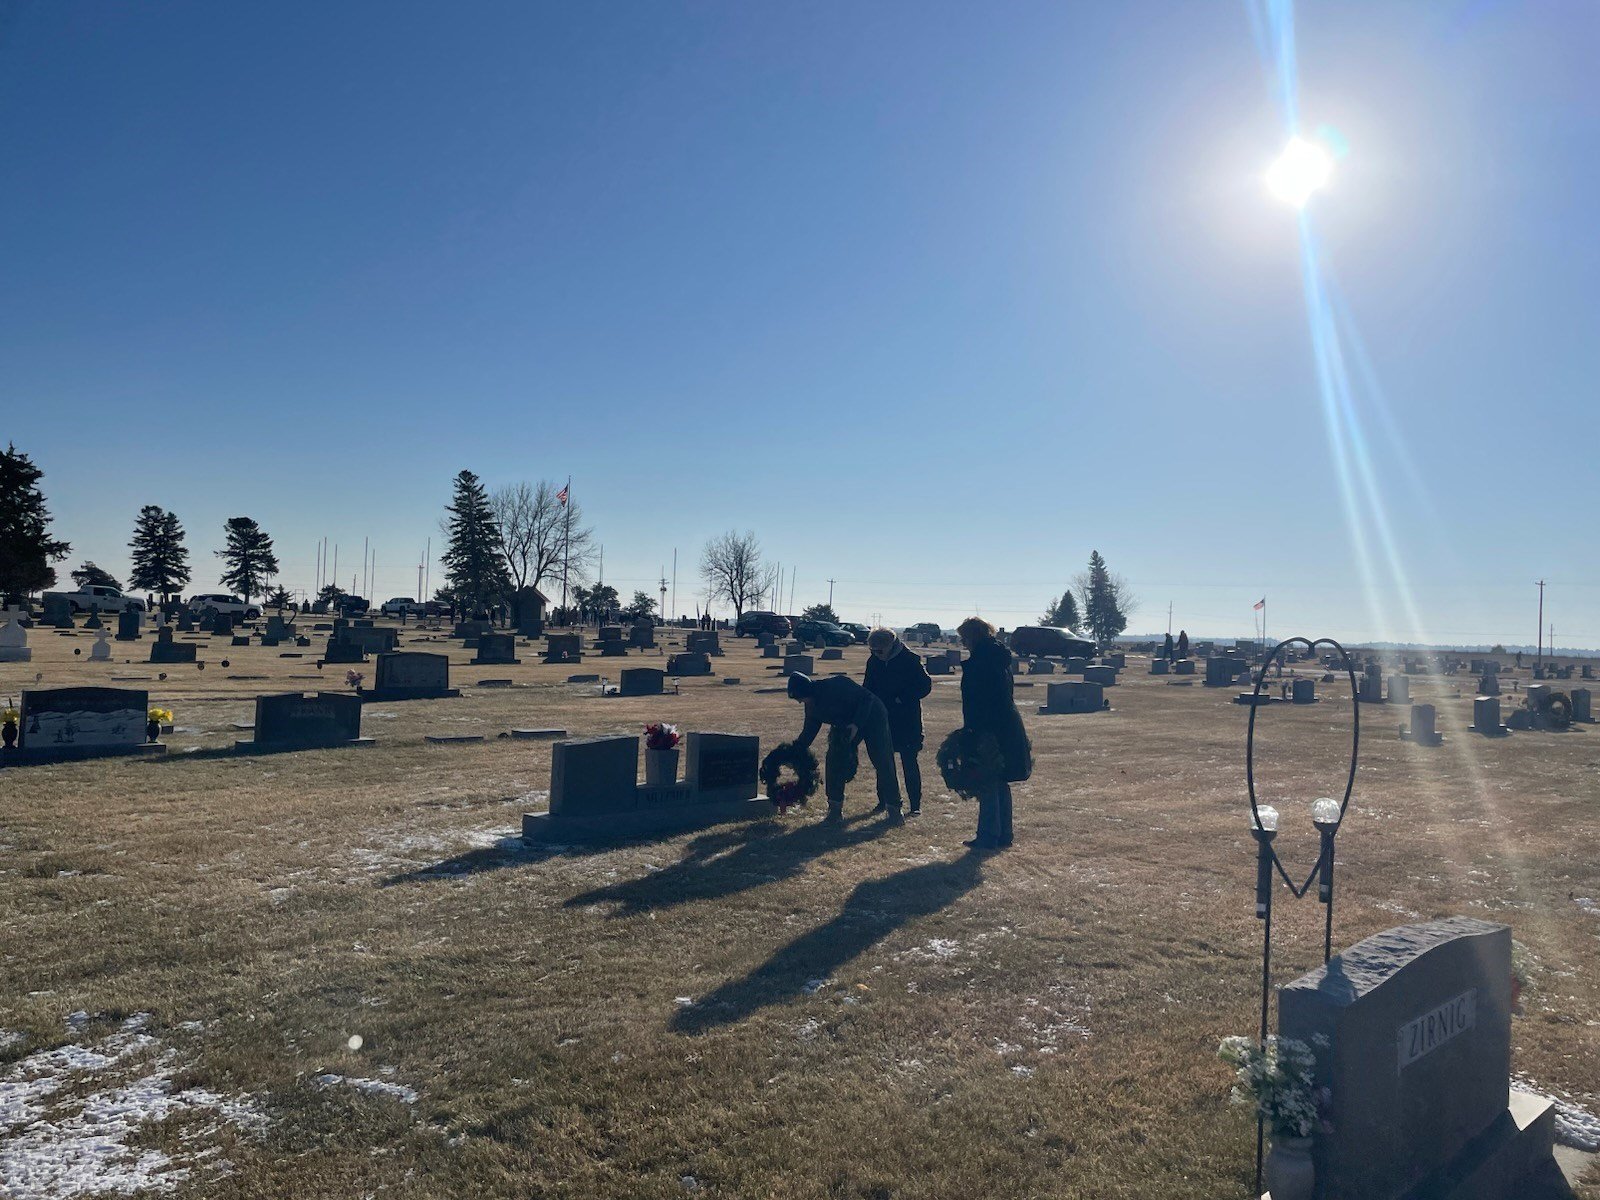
[(152, 731), (1290, 1173), (8, 731), (660, 768)]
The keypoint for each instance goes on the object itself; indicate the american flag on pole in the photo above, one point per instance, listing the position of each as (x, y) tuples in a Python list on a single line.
[(562, 494), (1260, 604)]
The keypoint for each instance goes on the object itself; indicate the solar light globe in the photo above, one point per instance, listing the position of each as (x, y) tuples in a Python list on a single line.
[(1325, 812), (1265, 818)]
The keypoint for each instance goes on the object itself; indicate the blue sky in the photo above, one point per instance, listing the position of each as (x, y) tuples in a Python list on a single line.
[(936, 298)]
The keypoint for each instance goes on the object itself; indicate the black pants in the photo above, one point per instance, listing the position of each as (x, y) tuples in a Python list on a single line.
[(912, 770)]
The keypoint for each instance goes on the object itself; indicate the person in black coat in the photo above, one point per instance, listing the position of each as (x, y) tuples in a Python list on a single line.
[(897, 676), (987, 707)]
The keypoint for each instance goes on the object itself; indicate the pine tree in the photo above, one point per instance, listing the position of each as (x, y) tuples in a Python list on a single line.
[(26, 547), (1105, 602), (249, 557), (1062, 612), (160, 559), (92, 575), (474, 561)]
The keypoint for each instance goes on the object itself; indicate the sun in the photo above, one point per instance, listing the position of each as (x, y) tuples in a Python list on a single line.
[(1301, 169)]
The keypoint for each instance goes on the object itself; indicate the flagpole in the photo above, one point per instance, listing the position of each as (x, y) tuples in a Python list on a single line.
[(566, 544)]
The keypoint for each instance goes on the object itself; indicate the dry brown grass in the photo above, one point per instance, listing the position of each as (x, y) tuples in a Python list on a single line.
[(1039, 1023)]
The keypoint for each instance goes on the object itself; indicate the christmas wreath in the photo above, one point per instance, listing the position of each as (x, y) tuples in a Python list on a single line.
[(971, 763), (789, 775)]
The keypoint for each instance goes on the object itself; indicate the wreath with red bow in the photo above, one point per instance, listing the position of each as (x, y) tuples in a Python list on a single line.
[(789, 776)]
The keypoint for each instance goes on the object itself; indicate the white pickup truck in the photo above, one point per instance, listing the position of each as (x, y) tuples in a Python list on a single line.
[(106, 599)]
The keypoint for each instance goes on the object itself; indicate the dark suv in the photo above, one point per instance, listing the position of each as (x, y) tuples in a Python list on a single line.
[(752, 624), (825, 632), (926, 632), (1032, 640)]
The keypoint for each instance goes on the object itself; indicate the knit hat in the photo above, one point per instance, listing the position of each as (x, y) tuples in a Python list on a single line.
[(799, 686)]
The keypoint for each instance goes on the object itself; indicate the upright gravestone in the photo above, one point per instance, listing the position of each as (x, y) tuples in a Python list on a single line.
[(527, 607), (1411, 1029), (1399, 689), (101, 650), (643, 635), (834, 654), (1423, 730), (497, 650), (592, 777), (411, 675), (689, 663), (722, 767), (1184, 666), (293, 721), (1489, 685), (614, 648), (1304, 691), (128, 622), (62, 723), (936, 663), (1041, 666), (1588, 671), (1582, 705), (1486, 716), (1071, 696), (641, 681), (341, 651), (57, 611), (222, 625), (704, 642), (14, 638), (1159, 666), (1370, 689), (1104, 676), (94, 621), (1222, 670), (798, 664), (185, 619), (609, 633), (166, 650), (564, 648)]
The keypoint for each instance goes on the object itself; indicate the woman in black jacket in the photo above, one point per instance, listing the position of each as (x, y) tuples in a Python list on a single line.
[(897, 676), (987, 707)]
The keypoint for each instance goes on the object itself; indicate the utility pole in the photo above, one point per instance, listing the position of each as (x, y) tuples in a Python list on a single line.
[(1540, 655), (674, 583), (663, 594), (1169, 618), (831, 582)]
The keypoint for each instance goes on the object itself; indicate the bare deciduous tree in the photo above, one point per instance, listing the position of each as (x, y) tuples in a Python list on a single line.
[(731, 567), (540, 534)]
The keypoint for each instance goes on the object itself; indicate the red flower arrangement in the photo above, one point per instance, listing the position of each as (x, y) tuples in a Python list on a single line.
[(661, 736)]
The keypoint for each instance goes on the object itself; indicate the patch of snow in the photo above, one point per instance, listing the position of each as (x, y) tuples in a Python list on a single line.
[(1576, 1126), (65, 1126), (1022, 1072), (372, 1087), (683, 1001), (813, 986)]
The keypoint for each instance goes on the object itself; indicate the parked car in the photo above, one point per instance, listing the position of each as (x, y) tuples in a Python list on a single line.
[(926, 631), (1050, 640), (351, 606), (825, 632), (396, 605), (856, 630), (106, 599), (756, 622), (224, 603)]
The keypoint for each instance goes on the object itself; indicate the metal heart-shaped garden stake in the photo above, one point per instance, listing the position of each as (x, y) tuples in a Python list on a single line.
[(1325, 815)]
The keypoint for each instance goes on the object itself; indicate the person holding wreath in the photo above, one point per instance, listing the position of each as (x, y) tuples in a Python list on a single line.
[(987, 707), (854, 715), (897, 676)]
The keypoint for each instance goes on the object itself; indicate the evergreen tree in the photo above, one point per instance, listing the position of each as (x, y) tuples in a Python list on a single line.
[(26, 547), (474, 560), (249, 558), (160, 559), (820, 612), (1063, 612), (90, 575), (641, 608), (280, 598), (1106, 601)]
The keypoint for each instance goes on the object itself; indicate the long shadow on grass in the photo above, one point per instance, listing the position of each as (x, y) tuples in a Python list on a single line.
[(874, 910), (758, 854)]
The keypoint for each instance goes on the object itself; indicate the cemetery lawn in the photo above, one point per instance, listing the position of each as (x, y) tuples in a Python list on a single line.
[(767, 1009)]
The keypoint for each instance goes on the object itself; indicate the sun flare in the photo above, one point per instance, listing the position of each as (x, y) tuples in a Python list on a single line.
[(1302, 168)]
